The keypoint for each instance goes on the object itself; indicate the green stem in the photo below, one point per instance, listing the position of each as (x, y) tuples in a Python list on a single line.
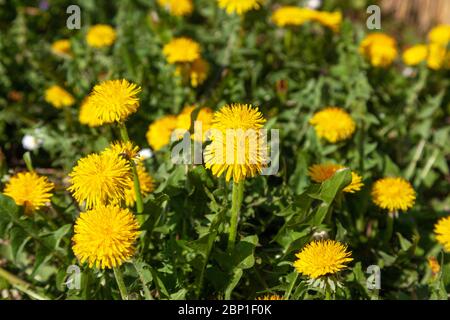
[(201, 278), (389, 227), (21, 285), (236, 201), (327, 294), (288, 40), (68, 118), (147, 294), (291, 287), (120, 283), (137, 186), (28, 162)]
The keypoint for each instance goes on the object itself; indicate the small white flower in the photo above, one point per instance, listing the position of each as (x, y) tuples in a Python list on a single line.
[(314, 4), (146, 153), (320, 235), (30, 142), (409, 72)]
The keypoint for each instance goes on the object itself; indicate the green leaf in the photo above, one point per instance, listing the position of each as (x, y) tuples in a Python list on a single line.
[(179, 295), (331, 187), (19, 239), (8, 208), (243, 254), (235, 277)]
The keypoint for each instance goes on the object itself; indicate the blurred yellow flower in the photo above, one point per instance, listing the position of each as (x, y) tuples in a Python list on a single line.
[(194, 73), (237, 147), (100, 179), (114, 100), (415, 55), (292, 16), (160, 132), (198, 72), (145, 182), (61, 47), (379, 48), (105, 236), (332, 20), (184, 118), (433, 264), (333, 124), (177, 7), (438, 57), (204, 117), (58, 97), (239, 6), (87, 115), (322, 258), (181, 50), (440, 35), (270, 297), (393, 194), (101, 35), (442, 232), (322, 172), (29, 190)]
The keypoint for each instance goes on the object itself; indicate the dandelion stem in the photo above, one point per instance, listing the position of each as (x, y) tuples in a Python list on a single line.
[(68, 118), (28, 161), (389, 227), (288, 40), (137, 186), (327, 294), (120, 283), (236, 201)]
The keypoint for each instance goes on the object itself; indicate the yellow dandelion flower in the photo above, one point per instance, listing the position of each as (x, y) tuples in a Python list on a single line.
[(160, 132), (127, 150), (238, 147), (198, 72), (202, 122), (433, 264), (105, 236), (204, 119), (58, 97), (101, 35), (30, 190), (333, 124), (322, 172), (177, 8), (145, 182), (270, 297), (194, 73), (184, 118), (292, 16), (415, 55), (440, 35), (87, 115), (181, 50), (442, 232), (61, 47), (379, 48), (114, 100), (100, 179), (239, 6), (393, 194), (332, 20), (322, 258), (438, 57)]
